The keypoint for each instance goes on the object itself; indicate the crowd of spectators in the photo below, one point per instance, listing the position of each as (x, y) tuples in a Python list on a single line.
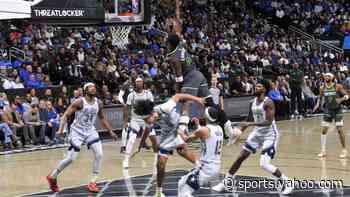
[(319, 17), (227, 41)]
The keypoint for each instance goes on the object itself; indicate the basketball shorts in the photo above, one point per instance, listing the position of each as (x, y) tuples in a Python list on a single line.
[(266, 140), (137, 125), (195, 84), (203, 175), (333, 116), (168, 144), (79, 136)]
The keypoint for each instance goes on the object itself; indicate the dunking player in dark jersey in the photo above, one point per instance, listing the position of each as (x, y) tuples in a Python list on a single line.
[(189, 80)]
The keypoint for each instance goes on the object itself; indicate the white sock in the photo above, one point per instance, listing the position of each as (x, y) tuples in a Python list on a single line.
[(159, 190), (130, 143), (94, 178), (323, 142)]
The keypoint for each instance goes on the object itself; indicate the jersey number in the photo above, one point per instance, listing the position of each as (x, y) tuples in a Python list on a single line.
[(218, 147), (88, 118)]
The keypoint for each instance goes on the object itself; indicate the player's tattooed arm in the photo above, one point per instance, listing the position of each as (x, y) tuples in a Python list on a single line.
[(342, 91), (201, 133), (269, 108), (75, 106), (104, 121)]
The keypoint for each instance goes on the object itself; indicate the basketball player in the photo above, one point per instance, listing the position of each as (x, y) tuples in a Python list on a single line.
[(168, 119), (265, 136), (190, 80), (211, 137), (83, 130), (333, 94), (123, 96), (137, 124)]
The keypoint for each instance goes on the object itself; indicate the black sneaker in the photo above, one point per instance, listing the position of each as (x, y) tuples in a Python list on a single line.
[(122, 149)]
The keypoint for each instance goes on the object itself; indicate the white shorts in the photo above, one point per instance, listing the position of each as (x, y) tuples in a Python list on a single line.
[(267, 141), (167, 145), (78, 136), (136, 125), (203, 175), (330, 124)]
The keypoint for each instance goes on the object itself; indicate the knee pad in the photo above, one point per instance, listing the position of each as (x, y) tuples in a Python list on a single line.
[(265, 163)]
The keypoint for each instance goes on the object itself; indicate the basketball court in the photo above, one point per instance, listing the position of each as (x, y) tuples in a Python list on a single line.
[(24, 174)]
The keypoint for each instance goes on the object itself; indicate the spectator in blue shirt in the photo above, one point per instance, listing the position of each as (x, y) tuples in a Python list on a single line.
[(25, 72), (282, 106), (32, 82), (52, 124)]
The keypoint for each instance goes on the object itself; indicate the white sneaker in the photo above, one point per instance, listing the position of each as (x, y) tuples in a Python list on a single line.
[(322, 154), (219, 187), (288, 189), (125, 163), (344, 154)]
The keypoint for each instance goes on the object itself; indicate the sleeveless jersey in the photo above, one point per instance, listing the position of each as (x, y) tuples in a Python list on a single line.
[(168, 119), (259, 115), (212, 146), (85, 118), (330, 95), (135, 97), (181, 54)]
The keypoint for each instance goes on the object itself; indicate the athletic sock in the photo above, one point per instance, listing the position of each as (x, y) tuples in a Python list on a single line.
[(94, 178), (323, 142)]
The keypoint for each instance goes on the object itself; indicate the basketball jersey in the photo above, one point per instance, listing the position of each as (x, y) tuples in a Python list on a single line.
[(85, 118), (185, 58), (168, 119), (135, 97), (212, 146), (259, 115), (330, 95)]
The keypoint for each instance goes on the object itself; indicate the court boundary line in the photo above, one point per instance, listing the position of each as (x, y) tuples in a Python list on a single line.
[(37, 194)]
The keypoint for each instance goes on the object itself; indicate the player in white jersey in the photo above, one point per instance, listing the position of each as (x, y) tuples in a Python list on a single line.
[(168, 118), (136, 124), (265, 136), (83, 130), (211, 138)]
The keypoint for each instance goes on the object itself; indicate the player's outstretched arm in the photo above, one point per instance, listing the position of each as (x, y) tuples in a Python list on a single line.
[(105, 123), (187, 97), (76, 105)]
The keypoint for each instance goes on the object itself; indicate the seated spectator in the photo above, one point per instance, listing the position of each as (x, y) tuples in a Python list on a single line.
[(76, 95), (32, 82), (53, 122), (15, 122), (3, 100), (35, 99), (48, 95), (35, 125), (20, 107), (236, 86), (282, 106), (10, 140)]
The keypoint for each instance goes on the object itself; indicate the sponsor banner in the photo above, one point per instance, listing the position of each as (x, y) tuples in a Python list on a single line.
[(44, 13)]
